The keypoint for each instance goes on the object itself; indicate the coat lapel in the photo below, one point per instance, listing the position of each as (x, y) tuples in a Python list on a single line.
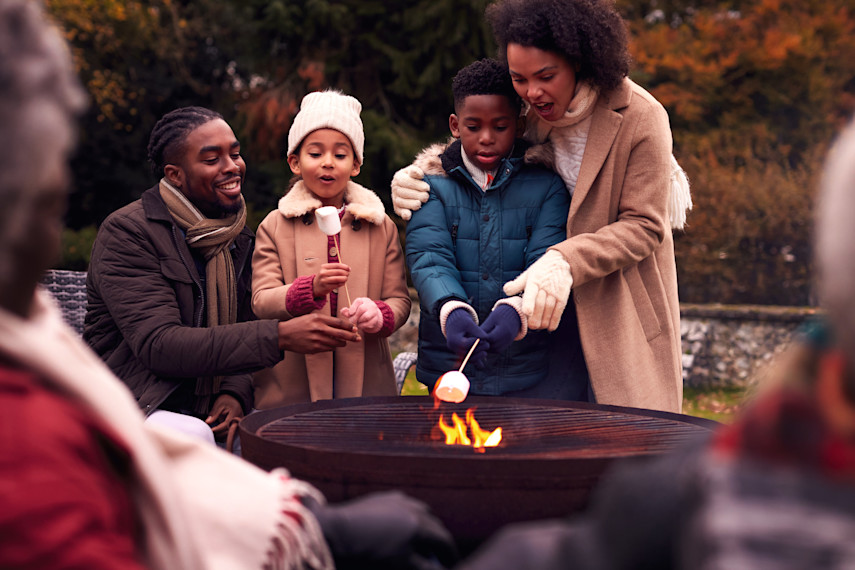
[(605, 124)]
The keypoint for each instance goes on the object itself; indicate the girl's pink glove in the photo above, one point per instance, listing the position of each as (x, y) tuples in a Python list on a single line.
[(365, 314)]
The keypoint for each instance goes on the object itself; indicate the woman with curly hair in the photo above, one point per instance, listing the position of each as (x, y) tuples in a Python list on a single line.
[(610, 141)]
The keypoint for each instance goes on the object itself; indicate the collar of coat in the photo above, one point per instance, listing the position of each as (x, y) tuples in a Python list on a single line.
[(440, 158), (361, 203), (614, 100)]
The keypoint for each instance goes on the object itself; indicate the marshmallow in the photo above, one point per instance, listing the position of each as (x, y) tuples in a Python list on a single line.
[(452, 387), (328, 220)]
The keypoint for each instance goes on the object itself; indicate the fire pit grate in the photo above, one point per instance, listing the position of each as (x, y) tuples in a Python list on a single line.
[(533, 430), (551, 455)]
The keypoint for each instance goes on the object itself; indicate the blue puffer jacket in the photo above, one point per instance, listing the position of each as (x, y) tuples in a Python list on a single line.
[(465, 244)]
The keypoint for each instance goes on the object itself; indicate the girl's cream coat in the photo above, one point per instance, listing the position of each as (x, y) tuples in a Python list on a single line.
[(286, 248)]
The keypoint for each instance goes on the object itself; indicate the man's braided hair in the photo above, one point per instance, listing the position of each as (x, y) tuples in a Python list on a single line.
[(169, 134)]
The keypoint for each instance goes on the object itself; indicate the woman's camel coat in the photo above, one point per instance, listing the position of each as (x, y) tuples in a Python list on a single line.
[(290, 244), (621, 254)]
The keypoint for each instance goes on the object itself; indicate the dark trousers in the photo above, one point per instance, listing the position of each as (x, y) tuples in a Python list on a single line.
[(568, 374)]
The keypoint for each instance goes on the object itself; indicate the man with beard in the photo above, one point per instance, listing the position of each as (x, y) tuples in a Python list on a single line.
[(169, 285)]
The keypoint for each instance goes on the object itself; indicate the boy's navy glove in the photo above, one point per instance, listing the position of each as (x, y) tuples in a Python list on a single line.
[(460, 334), (385, 530), (501, 327)]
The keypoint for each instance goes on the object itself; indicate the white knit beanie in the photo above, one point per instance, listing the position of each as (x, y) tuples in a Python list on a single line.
[(328, 109)]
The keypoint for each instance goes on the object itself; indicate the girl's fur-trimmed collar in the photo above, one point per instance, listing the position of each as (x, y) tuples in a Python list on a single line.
[(361, 203)]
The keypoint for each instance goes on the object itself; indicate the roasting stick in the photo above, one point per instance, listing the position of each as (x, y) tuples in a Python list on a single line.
[(468, 354), (330, 224), (338, 250)]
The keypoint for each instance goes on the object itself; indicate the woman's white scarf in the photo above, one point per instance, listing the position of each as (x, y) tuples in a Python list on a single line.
[(581, 107), (199, 507)]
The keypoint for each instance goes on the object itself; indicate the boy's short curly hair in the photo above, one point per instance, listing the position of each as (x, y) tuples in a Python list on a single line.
[(587, 33), (484, 77)]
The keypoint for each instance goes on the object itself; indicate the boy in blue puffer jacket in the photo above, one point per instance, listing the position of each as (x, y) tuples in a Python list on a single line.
[(489, 216)]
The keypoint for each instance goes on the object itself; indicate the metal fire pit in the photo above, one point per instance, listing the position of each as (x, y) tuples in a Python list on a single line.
[(552, 453)]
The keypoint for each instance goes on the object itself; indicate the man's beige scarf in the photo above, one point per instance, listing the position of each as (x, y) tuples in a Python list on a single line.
[(212, 238)]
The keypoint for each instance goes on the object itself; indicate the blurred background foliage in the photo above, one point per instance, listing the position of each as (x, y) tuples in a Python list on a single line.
[(755, 89)]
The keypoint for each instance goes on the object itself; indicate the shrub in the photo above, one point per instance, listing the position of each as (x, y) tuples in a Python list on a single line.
[(748, 236), (77, 248)]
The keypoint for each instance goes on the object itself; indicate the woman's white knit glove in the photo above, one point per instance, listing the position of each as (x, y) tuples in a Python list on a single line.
[(545, 287), (409, 191)]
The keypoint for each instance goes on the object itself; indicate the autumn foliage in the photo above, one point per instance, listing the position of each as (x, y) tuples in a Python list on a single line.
[(756, 91)]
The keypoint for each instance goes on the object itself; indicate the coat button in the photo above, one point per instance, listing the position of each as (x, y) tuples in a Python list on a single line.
[(486, 217), (485, 276), (333, 252)]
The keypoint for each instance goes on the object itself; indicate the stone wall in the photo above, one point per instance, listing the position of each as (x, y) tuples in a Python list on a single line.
[(729, 345), (723, 345), (406, 338)]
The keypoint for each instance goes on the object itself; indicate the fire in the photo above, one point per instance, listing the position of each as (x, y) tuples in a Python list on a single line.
[(456, 434)]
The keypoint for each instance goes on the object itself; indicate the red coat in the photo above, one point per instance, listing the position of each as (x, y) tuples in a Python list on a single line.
[(63, 501)]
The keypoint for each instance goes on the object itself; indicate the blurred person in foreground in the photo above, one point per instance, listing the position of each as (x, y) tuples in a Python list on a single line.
[(84, 481), (776, 489)]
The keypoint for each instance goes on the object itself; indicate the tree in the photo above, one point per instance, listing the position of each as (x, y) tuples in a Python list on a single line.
[(138, 60), (253, 61), (396, 58), (756, 90), (756, 95)]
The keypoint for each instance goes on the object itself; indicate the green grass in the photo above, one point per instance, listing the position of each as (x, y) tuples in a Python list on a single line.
[(721, 405), (413, 387)]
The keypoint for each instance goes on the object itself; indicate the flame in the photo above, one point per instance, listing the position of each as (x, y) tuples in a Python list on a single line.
[(456, 434)]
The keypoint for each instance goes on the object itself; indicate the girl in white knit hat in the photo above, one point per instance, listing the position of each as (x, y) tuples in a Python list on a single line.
[(357, 273)]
